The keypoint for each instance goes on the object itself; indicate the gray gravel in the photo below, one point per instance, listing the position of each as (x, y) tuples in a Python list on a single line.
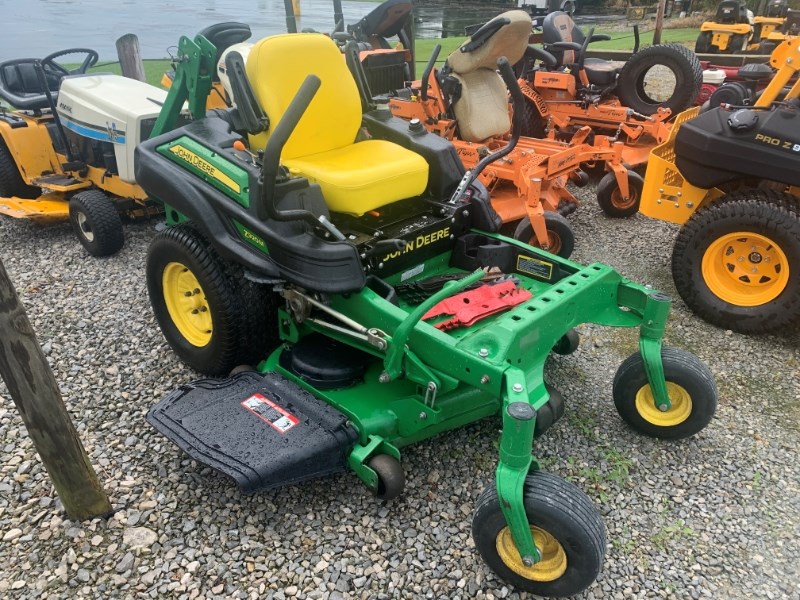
[(715, 516)]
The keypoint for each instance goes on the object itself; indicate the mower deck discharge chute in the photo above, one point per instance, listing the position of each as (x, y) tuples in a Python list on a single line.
[(326, 263)]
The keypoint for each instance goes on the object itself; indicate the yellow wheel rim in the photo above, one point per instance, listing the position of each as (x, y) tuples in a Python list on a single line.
[(745, 269), (186, 303), (553, 561), (679, 398)]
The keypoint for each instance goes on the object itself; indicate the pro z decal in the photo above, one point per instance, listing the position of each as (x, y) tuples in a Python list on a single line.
[(265, 409), (778, 142)]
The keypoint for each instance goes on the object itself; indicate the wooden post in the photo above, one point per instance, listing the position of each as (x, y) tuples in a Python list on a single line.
[(33, 388), (296, 7), (662, 4), (291, 22), (338, 16), (130, 59)]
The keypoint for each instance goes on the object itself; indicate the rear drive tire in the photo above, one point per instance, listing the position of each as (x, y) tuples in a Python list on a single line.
[(533, 124), (610, 198), (703, 43), (738, 44), (631, 85), (559, 234), (96, 222), (11, 182), (736, 262), (210, 314)]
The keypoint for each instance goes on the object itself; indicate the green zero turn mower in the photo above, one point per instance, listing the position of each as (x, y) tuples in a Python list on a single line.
[(350, 270)]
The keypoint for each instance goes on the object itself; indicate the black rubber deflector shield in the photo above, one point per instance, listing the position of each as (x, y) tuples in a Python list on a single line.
[(263, 431)]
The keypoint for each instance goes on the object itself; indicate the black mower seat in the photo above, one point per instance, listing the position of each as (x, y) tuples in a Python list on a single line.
[(731, 12), (19, 85), (558, 27), (385, 21), (599, 71)]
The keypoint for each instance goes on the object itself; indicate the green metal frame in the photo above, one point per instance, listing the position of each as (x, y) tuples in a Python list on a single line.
[(194, 70), (424, 381)]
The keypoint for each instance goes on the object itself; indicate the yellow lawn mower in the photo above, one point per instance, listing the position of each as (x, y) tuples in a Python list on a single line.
[(730, 176), (729, 32)]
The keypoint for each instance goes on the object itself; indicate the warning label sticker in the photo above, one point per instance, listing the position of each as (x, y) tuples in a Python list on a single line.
[(534, 266), (269, 412)]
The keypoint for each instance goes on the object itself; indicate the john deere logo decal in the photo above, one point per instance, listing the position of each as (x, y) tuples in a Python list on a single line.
[(204, 166)]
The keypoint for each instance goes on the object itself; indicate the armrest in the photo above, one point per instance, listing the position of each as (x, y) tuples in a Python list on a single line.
[(599, 37), (563, 46), (541, 54)]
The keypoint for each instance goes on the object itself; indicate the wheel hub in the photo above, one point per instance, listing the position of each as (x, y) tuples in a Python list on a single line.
[(745, 269), (186, 303), (657, 415), (553, 561), (86, 228)]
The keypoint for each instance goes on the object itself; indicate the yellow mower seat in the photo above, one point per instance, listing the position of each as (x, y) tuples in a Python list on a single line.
[(354, 177)]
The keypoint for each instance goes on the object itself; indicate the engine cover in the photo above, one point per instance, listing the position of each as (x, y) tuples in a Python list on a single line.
[(110, 108), (714, 148)]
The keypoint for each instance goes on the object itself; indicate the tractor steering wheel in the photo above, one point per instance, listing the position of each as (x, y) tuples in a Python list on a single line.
[(51, 67)]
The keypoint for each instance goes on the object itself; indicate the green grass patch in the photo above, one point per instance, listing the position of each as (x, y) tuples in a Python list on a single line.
[(623, 40)]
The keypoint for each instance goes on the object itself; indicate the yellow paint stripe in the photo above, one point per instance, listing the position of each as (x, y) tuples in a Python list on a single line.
[(206, 167)]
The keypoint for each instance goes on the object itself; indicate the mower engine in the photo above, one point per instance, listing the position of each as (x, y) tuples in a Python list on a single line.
[(106, 116)]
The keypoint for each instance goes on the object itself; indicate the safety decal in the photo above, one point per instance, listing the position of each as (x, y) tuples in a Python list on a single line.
[(534, 266), (269, 412)]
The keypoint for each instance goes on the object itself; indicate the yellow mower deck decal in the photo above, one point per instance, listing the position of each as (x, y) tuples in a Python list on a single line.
[(206, 167)]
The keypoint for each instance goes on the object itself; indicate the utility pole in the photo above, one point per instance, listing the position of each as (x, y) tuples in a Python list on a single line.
[(33, 388), (662, 5)]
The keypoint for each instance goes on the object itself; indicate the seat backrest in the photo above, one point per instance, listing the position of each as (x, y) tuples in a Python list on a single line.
[(225, 35), (731, 11), (558, 26), (791, 26), (278, 65), (777, 8), (19, 84), (386, 20), (481, 109)]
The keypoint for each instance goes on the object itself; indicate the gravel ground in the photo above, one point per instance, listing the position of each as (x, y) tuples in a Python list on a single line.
[(715, 516)]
